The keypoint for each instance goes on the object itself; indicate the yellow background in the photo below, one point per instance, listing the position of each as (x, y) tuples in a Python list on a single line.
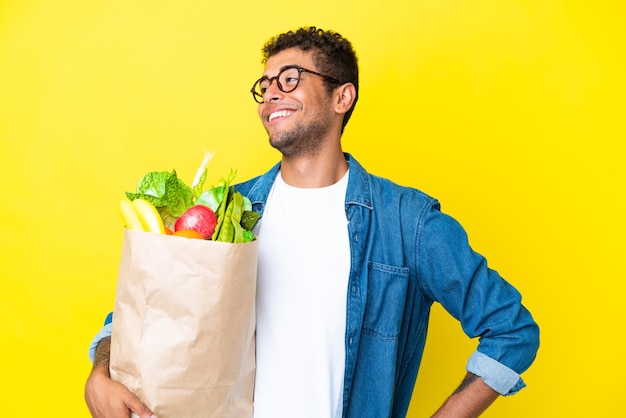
[(511, 112)]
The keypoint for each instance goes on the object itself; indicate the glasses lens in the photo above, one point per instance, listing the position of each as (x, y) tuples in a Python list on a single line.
[(258, 89), (262, 85), (288, 79)]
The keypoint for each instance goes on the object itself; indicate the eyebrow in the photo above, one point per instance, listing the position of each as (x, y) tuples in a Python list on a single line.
[(285, 67)]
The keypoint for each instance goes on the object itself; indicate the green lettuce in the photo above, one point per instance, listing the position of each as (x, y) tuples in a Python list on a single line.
[(214, 196), (170, 195)]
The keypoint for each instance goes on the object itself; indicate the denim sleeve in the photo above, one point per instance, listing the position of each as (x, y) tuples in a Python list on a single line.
[(487, 306), (496, 375), (104, 332)]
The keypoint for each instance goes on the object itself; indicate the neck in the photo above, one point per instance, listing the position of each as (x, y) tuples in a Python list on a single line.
[(321, 170)]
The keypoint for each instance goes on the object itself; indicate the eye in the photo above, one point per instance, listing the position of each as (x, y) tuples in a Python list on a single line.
[(290, 77), (264, 84)]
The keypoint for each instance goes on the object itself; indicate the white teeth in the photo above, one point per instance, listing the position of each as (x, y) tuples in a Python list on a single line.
[(280, 113)]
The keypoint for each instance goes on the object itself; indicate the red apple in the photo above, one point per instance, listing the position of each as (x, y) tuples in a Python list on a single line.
[(198, 218)]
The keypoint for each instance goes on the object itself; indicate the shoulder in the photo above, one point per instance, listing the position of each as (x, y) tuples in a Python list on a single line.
[(366, 187), (389, 187)]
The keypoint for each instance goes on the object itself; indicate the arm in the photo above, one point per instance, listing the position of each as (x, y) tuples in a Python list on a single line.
[(470, 400), (106, 398), (487, 306)]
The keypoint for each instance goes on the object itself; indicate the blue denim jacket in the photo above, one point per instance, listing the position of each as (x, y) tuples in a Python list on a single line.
[(405, 255)]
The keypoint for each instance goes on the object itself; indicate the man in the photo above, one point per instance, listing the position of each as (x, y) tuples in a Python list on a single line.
[(349, 265)]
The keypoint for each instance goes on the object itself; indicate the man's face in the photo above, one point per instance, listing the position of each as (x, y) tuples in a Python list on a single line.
[(297, 122)]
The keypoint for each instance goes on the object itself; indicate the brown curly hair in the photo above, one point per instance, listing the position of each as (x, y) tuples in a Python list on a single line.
[(333, 55)]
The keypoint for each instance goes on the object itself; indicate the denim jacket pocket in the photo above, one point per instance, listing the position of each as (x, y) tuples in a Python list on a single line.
[(386, 298)]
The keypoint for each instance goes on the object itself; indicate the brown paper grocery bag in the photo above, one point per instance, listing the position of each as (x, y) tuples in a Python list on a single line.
[(184, 324)]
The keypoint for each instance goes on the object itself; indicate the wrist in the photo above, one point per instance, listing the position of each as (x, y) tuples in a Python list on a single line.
[(101, 370)]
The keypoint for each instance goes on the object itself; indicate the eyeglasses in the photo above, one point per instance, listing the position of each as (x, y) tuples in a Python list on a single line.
[(287, 81)]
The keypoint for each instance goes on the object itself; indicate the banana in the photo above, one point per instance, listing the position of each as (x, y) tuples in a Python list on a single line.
[(148, 216), (129, 216)]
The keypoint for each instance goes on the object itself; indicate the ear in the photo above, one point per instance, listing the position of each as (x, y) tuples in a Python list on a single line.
[(344, 97)]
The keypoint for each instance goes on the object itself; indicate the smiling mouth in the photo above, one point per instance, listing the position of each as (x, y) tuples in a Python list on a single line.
[(279, 114)]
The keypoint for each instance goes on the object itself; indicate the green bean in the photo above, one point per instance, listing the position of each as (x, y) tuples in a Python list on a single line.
[(227, 231)]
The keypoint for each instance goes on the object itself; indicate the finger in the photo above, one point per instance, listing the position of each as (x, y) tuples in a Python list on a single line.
[(139, 409)]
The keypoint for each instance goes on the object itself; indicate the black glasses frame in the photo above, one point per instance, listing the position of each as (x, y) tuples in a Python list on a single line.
[(258, 97)]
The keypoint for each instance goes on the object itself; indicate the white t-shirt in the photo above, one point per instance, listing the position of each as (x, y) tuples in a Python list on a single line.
[(304, 263)]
